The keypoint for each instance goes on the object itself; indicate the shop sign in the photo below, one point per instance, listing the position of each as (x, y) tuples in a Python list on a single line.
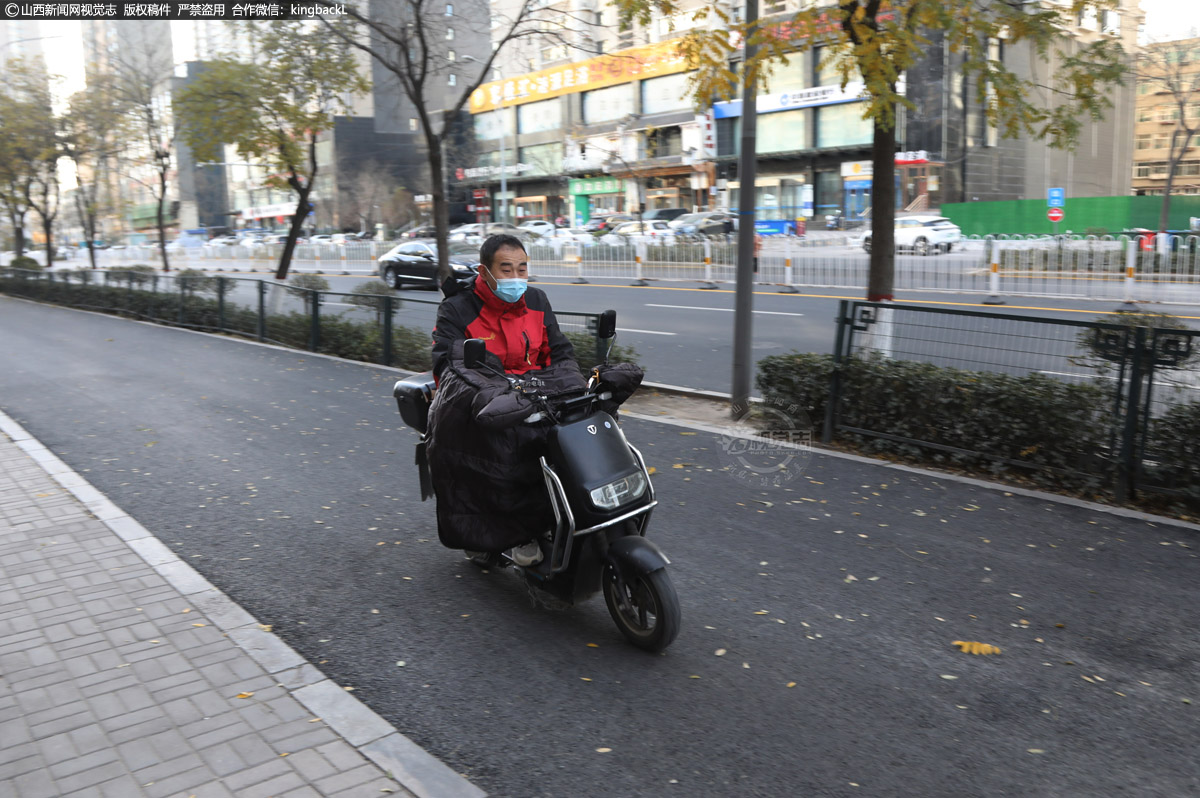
[(475, 172), (622, 66), (595, 185), (791, 100), (267, 211), (857, 169), (708, 134)]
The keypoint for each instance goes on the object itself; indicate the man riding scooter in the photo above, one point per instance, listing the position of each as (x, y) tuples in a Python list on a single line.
[(483, 459)]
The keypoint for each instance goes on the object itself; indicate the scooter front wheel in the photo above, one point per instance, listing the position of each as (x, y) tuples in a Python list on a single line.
[(645, 607)]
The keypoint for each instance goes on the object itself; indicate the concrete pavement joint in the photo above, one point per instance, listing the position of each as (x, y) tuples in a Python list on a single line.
[(415, 769)]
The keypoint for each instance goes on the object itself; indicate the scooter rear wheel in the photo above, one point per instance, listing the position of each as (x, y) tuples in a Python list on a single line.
[(645, 607)]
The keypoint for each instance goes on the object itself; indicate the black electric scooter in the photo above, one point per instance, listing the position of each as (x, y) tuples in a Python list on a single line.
[(601, 494)]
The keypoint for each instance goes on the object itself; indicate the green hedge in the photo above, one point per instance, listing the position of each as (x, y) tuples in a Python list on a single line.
[(1174, 449), (1034, 426)]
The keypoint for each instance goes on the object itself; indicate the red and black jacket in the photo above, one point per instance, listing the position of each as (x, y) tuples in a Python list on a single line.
[(523, 334)]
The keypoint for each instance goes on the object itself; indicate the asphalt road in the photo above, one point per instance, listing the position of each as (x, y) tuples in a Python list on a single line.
[(816, 655)]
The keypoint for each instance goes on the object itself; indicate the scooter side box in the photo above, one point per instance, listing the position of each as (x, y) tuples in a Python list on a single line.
[(413, 396)]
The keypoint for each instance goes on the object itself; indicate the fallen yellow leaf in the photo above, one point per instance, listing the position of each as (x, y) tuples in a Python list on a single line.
[(972, 647), (243, 695), (791, 684), (603, 750)]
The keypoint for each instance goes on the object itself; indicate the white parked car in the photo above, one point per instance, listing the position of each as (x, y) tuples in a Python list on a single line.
[(568, 235), (539, 226), (655, 231), (923, 234)]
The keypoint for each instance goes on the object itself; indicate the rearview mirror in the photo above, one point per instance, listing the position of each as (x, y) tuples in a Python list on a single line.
[(474, 353), (607, 327)]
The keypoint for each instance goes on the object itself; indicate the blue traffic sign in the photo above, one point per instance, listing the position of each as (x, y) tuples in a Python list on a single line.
[(1056, 197)]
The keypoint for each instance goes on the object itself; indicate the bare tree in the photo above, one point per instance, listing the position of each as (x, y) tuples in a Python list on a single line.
[(23, 138), (1172, 69), (410, 39), (92, 136), (142, 79)]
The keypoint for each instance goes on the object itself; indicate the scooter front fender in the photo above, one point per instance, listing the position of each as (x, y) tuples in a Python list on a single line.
[(637, 553)]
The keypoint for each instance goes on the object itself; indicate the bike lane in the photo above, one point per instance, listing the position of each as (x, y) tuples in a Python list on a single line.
[(818, 617)]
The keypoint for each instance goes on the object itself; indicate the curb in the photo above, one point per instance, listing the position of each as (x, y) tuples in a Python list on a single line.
[(414, 768)]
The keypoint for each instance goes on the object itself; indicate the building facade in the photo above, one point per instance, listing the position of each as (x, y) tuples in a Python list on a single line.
[(614, 129), (1168, 100)]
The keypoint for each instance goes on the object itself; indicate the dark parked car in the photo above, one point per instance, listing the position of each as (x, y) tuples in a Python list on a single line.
[(415, 262), (605, 224), (664, 214), (424, 231)]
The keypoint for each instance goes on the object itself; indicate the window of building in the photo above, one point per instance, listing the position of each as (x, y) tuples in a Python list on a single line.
[(663, 142), (1158, 170), (843, 125), (449, 34), (544, 159), (1145, 115), (1143, 141), (1161, 141), (791, 77), (1141, 170), (413, 124), (785, 131), (452, 79), (539, 116), (1168, 113), (605, 105), (451, 55), (494, 124), (668, 93), (449, 9), (1190, 168)]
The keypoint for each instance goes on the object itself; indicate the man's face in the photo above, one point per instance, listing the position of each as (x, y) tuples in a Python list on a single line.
[(509, 262)]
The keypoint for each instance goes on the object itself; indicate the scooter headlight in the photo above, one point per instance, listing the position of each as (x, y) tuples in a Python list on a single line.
[(622, 491)]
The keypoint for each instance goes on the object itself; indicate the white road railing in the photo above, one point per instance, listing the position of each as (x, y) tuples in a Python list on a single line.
[(1104, 268)]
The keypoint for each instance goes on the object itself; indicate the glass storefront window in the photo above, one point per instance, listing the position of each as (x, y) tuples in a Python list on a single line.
[(783, 131), (544, 115), (668, 93), (544, 159), (791, 77), (487, 126), (843, 125), (605, 105)]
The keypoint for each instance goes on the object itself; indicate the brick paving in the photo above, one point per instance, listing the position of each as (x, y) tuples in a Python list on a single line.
[(121, 669)]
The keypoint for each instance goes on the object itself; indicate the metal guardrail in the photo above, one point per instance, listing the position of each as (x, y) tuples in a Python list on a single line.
[(380, 328), (1131, 269), (1145, 384)]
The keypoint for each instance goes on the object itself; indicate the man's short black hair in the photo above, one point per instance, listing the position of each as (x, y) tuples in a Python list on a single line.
[(488, 251)]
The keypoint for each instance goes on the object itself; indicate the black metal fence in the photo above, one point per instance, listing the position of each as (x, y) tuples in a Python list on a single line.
[(1113, 405), (372, 327)]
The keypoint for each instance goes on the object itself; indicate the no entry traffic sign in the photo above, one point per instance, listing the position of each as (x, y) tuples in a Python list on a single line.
[(1054, 214)]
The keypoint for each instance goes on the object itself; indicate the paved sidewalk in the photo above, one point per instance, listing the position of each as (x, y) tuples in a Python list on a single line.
[(124, 673)]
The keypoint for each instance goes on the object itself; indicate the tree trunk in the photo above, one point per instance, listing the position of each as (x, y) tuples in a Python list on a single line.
[(162, 232), (18, 225), (48, 232), (1177, 153), (881, 277), (289, 246)]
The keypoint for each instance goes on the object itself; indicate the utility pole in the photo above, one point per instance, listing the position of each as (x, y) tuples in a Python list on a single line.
[(743, 303)]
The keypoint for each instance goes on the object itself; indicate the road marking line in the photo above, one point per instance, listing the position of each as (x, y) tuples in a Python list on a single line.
[(723, 310), (644, 332)]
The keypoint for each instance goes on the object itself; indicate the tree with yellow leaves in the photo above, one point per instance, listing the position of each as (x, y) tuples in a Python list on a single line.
[(878, 41)]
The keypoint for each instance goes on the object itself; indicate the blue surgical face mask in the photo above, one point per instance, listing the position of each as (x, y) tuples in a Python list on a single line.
[(511, 290)]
